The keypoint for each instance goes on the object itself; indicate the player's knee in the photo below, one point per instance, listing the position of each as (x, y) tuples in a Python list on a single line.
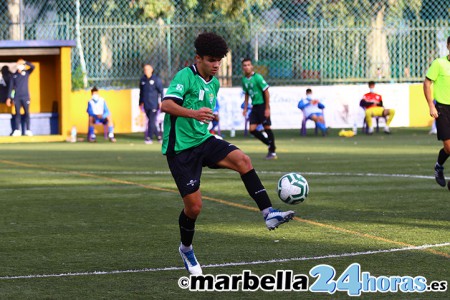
[(253, 131), (447, 147), (244, 163), (193, 210)]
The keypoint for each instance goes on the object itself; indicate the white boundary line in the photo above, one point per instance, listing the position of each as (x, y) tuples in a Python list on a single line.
[(243, 263), (261, 172), (231, 172)]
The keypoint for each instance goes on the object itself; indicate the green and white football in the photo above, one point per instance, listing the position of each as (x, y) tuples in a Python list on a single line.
[(292, 188)]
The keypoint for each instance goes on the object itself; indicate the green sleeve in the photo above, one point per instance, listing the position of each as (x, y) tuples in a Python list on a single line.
[(433, 71), (262, 83), (179, 85)]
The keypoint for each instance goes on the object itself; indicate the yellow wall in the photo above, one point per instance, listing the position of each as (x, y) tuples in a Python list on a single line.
[(64, 89), (419, 114), (34, 83), (118, 101), (49, 80)]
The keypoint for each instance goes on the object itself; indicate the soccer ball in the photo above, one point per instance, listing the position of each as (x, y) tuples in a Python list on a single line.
[(292, 188)]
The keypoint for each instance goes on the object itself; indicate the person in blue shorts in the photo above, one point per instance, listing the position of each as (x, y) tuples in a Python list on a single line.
[(312, 109), (99, 113)]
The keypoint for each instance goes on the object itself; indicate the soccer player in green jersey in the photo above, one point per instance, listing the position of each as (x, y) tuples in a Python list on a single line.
[(256, 88), (438, 75), (189, 146)]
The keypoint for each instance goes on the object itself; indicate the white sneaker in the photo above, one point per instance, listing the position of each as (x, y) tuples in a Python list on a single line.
[(370, 131), (190, 262), (28, 133), (387, 130), (271, 155), (275, 218), (111, 137), (16, 133)]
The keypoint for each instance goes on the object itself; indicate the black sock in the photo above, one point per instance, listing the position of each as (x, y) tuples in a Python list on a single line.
[(256, 190), (442, 157), (258, 134), (271, 139), (187, 229)]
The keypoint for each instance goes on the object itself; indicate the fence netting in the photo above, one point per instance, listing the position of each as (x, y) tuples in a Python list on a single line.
[(290, 41)]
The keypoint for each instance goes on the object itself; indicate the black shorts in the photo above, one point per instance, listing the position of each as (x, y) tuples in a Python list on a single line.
[(186, 166), (443, 122), (257, 115)]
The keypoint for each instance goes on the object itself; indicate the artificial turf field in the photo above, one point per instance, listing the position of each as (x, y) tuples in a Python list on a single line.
[(100, 221)]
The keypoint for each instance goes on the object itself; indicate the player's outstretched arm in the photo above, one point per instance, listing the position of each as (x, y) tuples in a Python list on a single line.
[(204, 114)]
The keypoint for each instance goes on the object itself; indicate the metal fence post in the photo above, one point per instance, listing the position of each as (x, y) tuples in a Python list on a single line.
[(169, 48)]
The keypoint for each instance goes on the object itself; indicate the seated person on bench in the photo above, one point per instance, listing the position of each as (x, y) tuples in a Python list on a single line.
[(99, 113)]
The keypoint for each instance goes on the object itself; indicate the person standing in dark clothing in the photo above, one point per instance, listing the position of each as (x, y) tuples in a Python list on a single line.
[(5, 101), (150, 95), (21, 98), (5, 79)]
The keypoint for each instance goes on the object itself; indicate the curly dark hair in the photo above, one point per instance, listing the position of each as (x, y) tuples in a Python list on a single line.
[(211, 44)]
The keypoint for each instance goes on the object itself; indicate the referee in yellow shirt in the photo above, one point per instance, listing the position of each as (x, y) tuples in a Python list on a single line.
[(439, 75)]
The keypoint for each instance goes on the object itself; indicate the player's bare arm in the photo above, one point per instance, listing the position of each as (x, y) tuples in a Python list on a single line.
[(267, 101), (244, 112)]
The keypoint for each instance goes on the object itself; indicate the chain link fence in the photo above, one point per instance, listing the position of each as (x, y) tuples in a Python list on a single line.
[(290, 41)]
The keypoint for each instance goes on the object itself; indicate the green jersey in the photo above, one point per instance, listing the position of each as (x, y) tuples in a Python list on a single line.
[(191, 91), (254, 86), (439, 73)]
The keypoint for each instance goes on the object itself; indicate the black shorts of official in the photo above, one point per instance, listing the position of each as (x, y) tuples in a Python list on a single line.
[(443, 122), (257, 115), (186, 166)]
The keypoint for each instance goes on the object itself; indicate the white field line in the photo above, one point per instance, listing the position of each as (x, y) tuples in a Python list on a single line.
[(263, 172), (222, 171), (243, 263)]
